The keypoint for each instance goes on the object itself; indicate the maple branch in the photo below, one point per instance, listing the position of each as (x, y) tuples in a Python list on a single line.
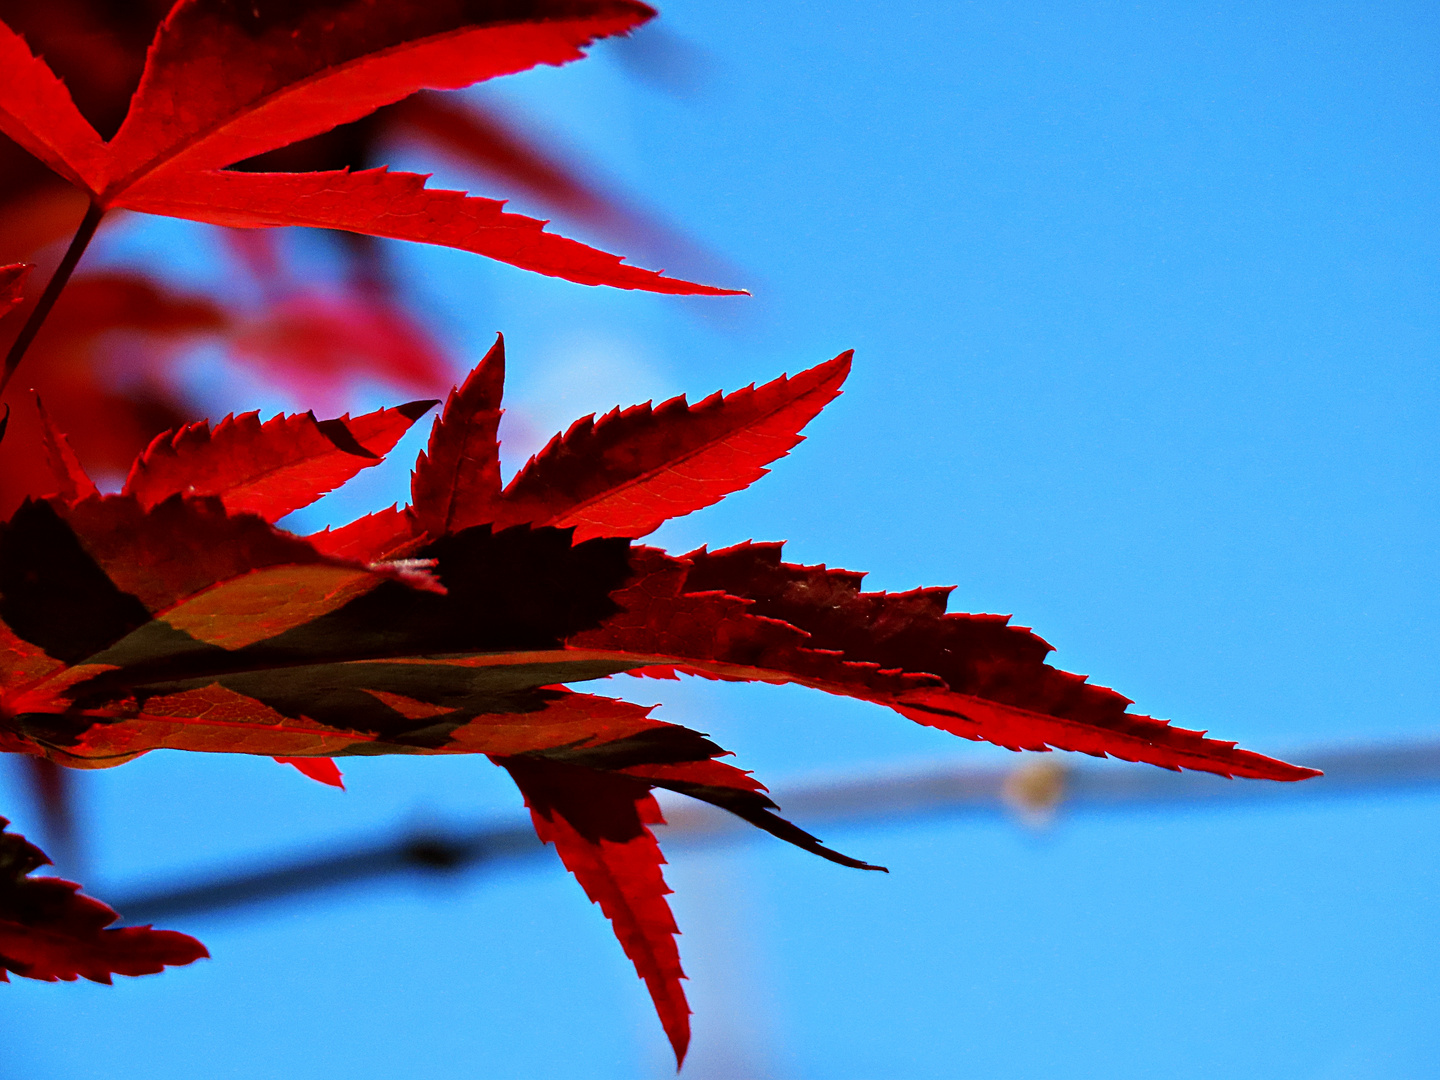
[(942, 790), (88, 224)]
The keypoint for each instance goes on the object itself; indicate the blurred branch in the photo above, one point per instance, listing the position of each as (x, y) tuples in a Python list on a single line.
[(1035, 789), (429, 852)]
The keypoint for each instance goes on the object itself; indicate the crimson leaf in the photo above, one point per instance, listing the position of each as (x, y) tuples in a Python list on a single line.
[(49, 931)]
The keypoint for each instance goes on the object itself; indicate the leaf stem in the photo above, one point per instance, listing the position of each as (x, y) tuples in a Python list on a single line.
[(88, 224)]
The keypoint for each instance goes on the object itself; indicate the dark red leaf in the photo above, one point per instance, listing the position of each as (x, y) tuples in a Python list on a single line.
[(399, 206), (741, 613), (168, 552), (198, 630), (683, 761), (49, 931), (592, 801), (565, 719), (267, 469), (106, 360), (83, 577), (131, 624), (210, 718), (77, 580), (599, 825)]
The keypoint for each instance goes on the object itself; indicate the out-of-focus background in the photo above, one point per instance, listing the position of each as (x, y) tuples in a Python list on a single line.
[(1144, 304)]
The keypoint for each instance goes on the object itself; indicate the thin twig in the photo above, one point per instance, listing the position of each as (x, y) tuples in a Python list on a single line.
[(82, 239)]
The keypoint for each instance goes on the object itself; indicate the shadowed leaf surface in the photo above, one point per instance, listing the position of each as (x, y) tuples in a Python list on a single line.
[(997, 686), (897, 650), (176, 595)]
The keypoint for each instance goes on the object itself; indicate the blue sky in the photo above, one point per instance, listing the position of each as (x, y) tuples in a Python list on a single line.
[(1144, 304)]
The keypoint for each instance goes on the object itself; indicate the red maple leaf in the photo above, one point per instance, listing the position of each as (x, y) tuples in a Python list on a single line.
[(49, 931), (175, 614), (98, 48), (225, 83)]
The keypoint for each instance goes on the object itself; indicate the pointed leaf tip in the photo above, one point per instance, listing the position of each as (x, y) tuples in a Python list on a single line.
[(600, 826), (72, 483), (223, 83), (322, 769), (37, 111), (413, 410)]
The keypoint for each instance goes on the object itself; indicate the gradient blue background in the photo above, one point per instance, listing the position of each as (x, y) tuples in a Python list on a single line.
[(1144, 303)]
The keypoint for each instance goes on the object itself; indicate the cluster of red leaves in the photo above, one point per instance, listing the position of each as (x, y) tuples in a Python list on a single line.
[(175, 614), (106, 358)]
